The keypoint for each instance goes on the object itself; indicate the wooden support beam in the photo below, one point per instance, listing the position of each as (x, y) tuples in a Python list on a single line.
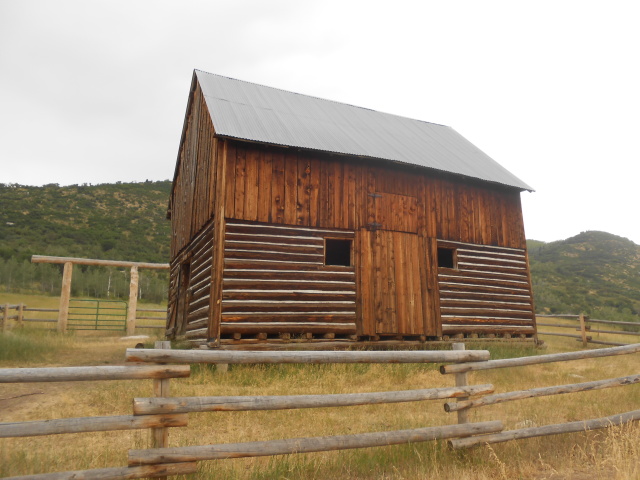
[(96, 262), (213, 356), (572, 427), (77, 374), (310, 444), (147, 406)]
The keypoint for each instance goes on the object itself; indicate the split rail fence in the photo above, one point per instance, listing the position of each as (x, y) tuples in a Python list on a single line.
[(162, 411), (18, 315), (585, 328)]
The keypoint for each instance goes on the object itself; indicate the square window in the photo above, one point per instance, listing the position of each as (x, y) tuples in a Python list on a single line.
[(337, 251), (446, 257)]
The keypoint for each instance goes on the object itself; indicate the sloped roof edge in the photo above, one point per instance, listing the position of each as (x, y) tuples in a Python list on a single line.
[(257, 113)]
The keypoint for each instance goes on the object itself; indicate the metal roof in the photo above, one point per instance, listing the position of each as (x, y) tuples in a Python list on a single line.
[(248, 111)]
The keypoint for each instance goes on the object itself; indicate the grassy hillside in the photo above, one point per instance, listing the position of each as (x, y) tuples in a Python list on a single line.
[(122, 221), (594, 272)]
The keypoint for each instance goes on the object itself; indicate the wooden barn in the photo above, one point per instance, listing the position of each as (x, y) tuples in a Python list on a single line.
[(298, 219)]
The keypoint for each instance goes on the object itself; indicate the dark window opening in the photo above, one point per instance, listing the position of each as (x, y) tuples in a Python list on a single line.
[(446, 257), (337, 252)]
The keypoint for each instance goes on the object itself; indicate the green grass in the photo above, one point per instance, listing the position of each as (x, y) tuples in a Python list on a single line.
[(30, 344)]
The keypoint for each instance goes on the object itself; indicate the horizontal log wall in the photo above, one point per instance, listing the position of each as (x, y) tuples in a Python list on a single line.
[(199, 256), (487, 291), (275, 281)]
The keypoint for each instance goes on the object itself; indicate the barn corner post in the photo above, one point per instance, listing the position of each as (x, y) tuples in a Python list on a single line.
[(65, 295), (133, 301), (461, 381)]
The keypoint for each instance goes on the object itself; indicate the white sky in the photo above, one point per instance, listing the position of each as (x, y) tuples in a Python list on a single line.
[(95, 91)]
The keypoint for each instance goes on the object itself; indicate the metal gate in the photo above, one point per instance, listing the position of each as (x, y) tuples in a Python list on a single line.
[(97, 315)]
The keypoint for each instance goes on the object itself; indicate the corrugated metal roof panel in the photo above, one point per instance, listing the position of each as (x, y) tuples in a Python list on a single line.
[(247, 111)]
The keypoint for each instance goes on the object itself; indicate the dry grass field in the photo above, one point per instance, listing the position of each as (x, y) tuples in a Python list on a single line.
[(605, 454)]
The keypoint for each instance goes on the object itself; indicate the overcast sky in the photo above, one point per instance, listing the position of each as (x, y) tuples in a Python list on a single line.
[(95, 91)]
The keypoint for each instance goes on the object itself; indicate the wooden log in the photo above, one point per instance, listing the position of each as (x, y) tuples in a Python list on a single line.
[(5, 318), (78, 374), (65, 296), (118, 473), (161, 388), (33, 309), (289, 328), (147, 406), (461, 381), (91, 261), (583, 330), (309, 444), (90, 424), (558, 334), (542, 392), (538, 359), (571, 427), (204, 356), (133, 301), (615, 332)]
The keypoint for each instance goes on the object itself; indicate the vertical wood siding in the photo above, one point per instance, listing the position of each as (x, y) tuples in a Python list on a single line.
[(191, 202), (488, 292), (275, 281)]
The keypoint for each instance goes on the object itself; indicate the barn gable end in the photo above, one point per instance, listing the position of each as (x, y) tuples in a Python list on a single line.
[(273, 237)]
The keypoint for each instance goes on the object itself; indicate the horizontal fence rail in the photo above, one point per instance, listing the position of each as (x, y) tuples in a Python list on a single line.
[(79, 374), (23, 315), (307, 445), (146, 406), (324, 357), (560, 428), (583, 325), (538, 359)]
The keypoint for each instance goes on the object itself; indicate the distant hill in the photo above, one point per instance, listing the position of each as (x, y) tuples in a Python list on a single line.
[(594, 272), (121, 221)]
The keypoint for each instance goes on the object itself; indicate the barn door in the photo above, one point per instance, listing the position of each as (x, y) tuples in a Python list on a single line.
[(391, 293)]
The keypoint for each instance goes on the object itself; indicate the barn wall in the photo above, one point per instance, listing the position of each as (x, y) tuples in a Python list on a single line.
[(313, 189), (189, 305), (488, 291), (192, 198), (275, 281)]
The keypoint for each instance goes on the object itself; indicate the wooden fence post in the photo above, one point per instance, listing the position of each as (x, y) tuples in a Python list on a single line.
[(20, 314), (5, 318), (133, 301), (583, 330), (461, 381), (161, 389), (160, 436), (65, 295)]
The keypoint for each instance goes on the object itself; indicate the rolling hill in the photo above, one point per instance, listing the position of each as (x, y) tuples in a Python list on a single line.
[(594, 272)]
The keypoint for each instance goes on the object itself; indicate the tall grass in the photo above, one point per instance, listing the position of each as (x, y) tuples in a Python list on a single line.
[(609, 454)]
